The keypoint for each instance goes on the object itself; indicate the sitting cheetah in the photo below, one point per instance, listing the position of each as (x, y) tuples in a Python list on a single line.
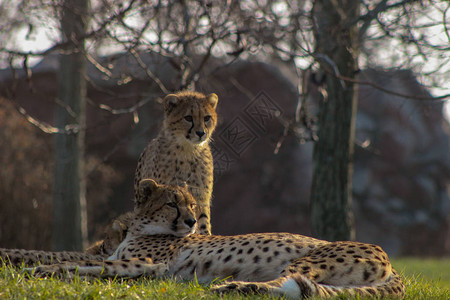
[(160, 242), (180, 153)]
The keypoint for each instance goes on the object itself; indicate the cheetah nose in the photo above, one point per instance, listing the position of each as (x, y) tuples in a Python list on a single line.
[(200, 133), (190, 222)]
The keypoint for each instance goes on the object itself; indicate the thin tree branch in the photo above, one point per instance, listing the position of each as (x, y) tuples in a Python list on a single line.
[(62, 45), (148, 71), (387, 91)]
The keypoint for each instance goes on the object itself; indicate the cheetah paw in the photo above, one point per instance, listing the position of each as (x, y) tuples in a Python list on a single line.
[(44, 270), (240, 287), (57, 270)]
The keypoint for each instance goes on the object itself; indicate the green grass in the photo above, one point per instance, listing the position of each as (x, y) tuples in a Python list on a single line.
[(432, 270), (424, 279)]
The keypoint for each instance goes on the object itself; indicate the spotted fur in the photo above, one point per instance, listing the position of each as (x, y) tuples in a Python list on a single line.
[(160, 243), (19, 257), (181, 153), (114, 234)]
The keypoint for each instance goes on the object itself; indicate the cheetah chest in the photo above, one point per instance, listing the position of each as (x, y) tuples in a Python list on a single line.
[(192, 170)]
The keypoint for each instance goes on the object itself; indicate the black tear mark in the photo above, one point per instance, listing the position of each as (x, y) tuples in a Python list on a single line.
[(366, 275), (190, 129), (175, 221)]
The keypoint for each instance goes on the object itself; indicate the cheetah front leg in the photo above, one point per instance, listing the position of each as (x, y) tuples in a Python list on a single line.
[(120, 268), (203, 217), (242, 287)]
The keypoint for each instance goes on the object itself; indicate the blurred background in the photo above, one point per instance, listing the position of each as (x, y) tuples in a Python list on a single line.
[(272, 72)]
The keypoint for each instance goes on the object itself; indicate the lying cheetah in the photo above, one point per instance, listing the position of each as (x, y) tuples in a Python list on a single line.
[(114, 234), (160, 242), (181, 153)]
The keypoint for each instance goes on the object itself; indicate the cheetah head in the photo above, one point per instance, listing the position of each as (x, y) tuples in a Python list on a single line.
[(115, 233), (191, 116), (164, 209)]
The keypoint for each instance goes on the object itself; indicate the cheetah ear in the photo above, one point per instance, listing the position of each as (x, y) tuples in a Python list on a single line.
[(170, 101), (212, 99), (147, 187)]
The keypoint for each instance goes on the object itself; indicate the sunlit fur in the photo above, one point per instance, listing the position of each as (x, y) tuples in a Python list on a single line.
[(190, 116), (163, 210), (115, 233), (181, 153), (168, 159), (292, 265)]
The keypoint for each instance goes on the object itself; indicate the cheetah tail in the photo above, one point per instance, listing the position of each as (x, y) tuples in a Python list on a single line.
[(298, 286), (19, 257)]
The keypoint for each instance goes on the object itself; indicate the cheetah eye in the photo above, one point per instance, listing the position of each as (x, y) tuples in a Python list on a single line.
[(188, 118), (207, 118), (171, 204), (193, 205)]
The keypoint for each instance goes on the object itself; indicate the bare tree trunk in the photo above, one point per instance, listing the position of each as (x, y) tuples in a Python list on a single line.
[(69, 213), (331, 212)]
